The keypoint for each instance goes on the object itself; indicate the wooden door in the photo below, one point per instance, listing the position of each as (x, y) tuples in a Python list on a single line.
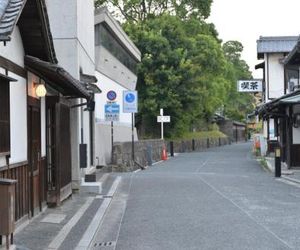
[(34, 155), (59, 170)]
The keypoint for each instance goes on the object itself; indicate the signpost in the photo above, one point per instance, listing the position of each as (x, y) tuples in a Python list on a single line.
[(162, 119), (112, 114), (111, 95), (250, 86), (130, 105)]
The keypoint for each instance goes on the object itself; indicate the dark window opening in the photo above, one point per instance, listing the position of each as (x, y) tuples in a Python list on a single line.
[(4, 117), (104, 38), (292, 79)]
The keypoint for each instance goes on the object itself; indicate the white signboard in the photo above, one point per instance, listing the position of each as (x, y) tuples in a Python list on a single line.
[(130, 101), (165, 118), (249, 86)]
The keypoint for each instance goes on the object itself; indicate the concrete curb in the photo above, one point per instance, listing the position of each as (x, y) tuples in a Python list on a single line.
[(284, 173), (291, 179)]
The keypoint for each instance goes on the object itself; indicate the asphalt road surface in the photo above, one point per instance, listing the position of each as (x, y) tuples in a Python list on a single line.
[(218, 199)]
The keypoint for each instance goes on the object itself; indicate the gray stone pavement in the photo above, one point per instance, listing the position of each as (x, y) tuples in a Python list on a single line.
[(67, 223), (219, 199)]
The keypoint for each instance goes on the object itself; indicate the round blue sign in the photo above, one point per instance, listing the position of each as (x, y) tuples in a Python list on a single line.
[(130, 97), (111, 95)]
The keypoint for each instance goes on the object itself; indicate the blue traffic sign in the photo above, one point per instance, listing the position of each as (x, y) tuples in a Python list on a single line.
[(130, 101), (130, 97), (112, 108), (111, 95)]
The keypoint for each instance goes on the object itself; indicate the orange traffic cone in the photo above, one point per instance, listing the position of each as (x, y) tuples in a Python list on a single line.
[(164, 155)]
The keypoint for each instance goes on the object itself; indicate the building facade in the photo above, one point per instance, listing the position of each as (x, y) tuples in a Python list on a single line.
[(116, 59), (284, 109), (272, 50), (35, 121)]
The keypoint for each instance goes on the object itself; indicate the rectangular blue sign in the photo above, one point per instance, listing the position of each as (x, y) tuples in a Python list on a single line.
[(112, 108), (130, 101)]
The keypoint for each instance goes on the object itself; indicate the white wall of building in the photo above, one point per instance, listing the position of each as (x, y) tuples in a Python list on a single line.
[(274, 76), (106, 84), (18, 119), (14, 52), (72, 27), (85, 29), (122, 129)]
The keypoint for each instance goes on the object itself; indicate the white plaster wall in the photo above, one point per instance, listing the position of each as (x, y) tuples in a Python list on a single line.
[(43, 126), (106, 84), (62, 17), (14, 50), (85, 27), (275, 76), (18, 119), (72, 26)]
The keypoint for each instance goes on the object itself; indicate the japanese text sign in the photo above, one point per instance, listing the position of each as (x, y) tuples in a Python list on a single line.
[(249, 86)]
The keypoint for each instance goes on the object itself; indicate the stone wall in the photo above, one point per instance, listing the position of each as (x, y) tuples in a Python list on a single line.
[(198, 144), (145, 152), (150, 151)]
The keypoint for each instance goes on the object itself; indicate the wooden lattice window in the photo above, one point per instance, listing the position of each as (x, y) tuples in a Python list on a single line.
[(4, 117)]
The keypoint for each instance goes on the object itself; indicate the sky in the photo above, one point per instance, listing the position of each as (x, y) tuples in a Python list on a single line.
[(247, 20)]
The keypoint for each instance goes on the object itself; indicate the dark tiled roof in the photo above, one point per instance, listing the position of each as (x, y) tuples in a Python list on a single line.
[(10, 11), (275, 44)]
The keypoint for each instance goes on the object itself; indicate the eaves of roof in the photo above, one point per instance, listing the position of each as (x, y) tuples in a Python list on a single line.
[(10, 13), (57, 77), (280, 44)]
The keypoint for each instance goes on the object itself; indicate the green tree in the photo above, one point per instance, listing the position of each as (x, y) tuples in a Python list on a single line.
[(181, 71), (238, 105), (139, 10)]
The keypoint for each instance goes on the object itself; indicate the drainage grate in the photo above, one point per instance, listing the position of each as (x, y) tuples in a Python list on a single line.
[(105, 244)]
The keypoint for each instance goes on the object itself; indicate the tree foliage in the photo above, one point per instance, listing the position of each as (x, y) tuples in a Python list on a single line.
[(184, 68), (181, 71), (238, 105), (139, 10)]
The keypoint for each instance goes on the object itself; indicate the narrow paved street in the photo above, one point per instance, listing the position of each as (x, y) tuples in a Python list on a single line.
[(219, 199)]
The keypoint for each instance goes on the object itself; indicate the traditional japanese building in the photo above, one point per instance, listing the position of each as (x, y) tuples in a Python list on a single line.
[(284, 109), (272, 50), (35, 107)]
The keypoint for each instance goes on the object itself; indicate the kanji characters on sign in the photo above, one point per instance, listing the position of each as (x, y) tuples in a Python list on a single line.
[(250, 86)]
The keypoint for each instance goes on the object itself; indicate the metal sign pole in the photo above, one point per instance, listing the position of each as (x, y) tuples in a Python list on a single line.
[(162, 130), (112, 140), (132, 130), (162, 124)]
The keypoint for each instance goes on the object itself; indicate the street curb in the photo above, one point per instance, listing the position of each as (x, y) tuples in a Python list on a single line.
[(87, 238), (291, 179)]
